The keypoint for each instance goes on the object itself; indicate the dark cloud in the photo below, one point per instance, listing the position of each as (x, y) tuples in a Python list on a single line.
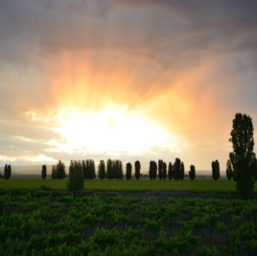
[(165, 31)]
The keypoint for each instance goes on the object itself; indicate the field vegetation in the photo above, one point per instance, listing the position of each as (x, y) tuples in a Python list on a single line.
[(126, 217), (143, 220), (200, 185)]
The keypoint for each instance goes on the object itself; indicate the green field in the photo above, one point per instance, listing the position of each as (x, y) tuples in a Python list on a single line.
[(196, 186), (124, 223), (120, 217)]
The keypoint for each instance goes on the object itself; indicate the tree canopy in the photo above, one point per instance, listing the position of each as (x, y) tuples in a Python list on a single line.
[(243, 158)]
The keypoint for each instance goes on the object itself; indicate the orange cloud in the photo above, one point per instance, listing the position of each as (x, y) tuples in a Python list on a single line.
[(91, 80)]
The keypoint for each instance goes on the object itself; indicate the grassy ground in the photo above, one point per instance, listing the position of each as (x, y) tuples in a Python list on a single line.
[(196, 186), (120, 217), (116, 223)]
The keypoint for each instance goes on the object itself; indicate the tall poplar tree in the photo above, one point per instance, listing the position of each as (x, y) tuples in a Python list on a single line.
[(170, 171), (137, 170), (128, 171), (101, 170), (43, 172), (215, 169), (192, 172), (243, 158)]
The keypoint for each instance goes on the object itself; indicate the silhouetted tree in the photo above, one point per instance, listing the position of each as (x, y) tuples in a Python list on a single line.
[(76, 176), (58, 171), (215, 170), (101, 170), (137, 169), (7, 171), (54, 172), (128, 171), (253, 167), (170, 171), (110, 169), (243, 157), (182, 171), (89, 169), (164, 171), (229, 172), (192, 172), (152, 170), (160, 166), (43, 172), (177, 169), (118, 172)]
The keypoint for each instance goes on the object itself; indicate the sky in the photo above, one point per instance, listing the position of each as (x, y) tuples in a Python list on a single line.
[(125, 79)]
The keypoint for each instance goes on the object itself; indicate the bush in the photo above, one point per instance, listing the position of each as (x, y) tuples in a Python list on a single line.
[(76, 177)]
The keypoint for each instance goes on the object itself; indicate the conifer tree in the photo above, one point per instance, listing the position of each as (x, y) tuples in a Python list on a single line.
[(243, 158), (177, 169), (160, 169), (229, 172), (192, 172), (182, 171), (118, 172), (88, 167), (101, 170), (110, 169), (7, 171), (137, 170), (164, 171), (128, 171), (153, 170), (58, 170), (43, 172), (170, 171), (215, 170)]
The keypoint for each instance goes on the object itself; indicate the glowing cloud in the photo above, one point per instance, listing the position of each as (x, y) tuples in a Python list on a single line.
[(112, 130)]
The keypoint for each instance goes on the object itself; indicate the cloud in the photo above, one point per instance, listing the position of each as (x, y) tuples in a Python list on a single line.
[(172, 33), (189, 65)]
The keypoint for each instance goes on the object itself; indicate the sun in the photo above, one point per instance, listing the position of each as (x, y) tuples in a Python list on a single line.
[(115, 129)]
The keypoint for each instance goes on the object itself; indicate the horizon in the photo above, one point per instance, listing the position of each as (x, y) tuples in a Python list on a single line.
[(18, 170), (128, 80)]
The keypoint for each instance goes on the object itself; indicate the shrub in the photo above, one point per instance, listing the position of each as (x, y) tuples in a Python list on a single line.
[(76, 176)]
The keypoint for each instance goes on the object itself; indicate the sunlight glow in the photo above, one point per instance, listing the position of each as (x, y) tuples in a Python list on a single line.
[(113, 129), (106, 107)]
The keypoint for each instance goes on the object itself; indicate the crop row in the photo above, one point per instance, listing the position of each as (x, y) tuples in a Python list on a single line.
[(119, 224)]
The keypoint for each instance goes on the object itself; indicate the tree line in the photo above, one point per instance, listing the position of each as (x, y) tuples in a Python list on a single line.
[(114, 169), (241, 165)]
